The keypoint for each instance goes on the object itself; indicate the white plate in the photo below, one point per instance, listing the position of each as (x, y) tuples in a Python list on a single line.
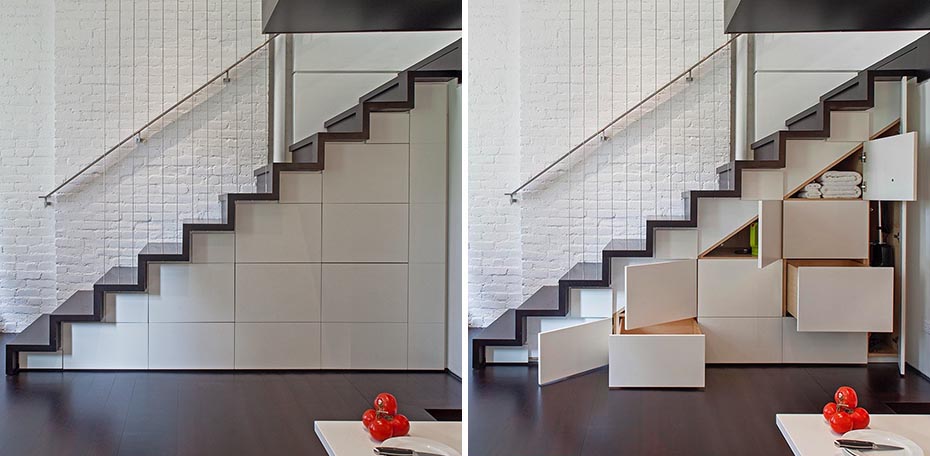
[(420, 444), (885, 438)]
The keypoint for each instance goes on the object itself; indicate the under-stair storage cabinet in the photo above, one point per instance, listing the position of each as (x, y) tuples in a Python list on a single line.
[(669, 355), (815, 229), (840, 296)]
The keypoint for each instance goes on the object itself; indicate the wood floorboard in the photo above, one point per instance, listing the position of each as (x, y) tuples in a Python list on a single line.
[(194, 413), (510, 415)]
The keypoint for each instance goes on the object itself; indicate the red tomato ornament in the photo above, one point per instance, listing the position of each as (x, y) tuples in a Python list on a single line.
[(401, 425), (380, 429), (841, 422), (368, 417), (385, 402), (829, 410), (860, 418), (846, 397)]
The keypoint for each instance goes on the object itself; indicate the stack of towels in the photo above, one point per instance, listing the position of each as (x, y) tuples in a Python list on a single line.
[(834, 185)]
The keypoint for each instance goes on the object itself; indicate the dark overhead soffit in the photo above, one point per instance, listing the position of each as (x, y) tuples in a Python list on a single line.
[(318, 16), (773, 16)]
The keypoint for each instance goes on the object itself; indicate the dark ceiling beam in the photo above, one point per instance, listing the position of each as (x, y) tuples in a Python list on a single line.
[(774, 16), (332, 16)]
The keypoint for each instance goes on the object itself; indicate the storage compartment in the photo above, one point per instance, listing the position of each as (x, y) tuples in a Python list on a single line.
[(742, 340), (821, 347), (840, 296), (736, 245), (826, 229), (668, 355), (738, 288)]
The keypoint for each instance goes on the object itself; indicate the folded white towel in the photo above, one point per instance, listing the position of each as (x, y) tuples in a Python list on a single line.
[(847, 192), (812, 186), (809, 195), (835, 189), (846, 177)]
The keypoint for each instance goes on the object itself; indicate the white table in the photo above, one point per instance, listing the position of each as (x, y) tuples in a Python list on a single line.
[(809, 434), (349, 438)]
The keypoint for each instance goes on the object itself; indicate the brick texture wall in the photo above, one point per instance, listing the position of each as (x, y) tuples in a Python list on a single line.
[(579, 64)]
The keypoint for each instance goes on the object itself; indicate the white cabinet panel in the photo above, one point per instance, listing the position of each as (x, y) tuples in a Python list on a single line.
[(591, 303), (277, 345), (762, 185), (428, 173), (126, 308), (94, 345), (191, 345), (364, 346), (822, 347), (428, 233), (742, 340), (890, 170), (191, 292), (770, 232), (278, 292), (40, 360), (719, 218), (676, 244), (573, 350), (429, 118), (826, 229), (301, 187), (841, 299), (278, 233), (849, 126), (213, 247), (365, 293), (670, 355), (389, 128), (738, 288), (660, 292), (365, 233), (427, 346), (366, 173), (503, 355), (806, 159), (427, 293)]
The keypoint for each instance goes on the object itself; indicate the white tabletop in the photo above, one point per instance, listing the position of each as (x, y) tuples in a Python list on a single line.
[(350, 438), (809, 434)]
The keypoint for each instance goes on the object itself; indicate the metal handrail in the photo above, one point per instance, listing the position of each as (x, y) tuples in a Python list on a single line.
[(598, 133), (138, 133)]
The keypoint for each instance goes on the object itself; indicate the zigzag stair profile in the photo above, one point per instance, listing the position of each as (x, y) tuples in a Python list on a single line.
[(856, 94), (397, 95)]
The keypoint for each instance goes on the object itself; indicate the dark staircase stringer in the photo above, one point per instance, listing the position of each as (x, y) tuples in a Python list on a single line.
[(44, 334)]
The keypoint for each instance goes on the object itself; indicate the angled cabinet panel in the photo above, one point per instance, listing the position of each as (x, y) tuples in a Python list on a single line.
[(890, 168), (573, 350), (660, 292), (770, 232)]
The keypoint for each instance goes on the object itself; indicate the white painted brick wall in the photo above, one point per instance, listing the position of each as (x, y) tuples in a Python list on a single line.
[(565, 92)]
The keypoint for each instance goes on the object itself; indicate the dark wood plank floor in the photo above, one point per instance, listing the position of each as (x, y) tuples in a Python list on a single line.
[(510, 415), (170, 413)]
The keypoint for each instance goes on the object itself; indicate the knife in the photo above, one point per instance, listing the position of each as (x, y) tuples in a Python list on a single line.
[(391, 451), (864, 445)]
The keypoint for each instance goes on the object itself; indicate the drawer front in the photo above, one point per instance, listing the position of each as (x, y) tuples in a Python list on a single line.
[(826, 229), (822, 347), (842, 299), (738, 288), (742, 340), (656, 360)]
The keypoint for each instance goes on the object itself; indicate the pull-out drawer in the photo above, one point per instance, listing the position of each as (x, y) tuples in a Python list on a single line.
[(822, 347), (670, 355), (840, 296), (742, 340), (826, 229)]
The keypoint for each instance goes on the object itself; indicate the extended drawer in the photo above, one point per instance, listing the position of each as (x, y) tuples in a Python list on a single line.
[(826, 229), (669, 355), (840, 296)]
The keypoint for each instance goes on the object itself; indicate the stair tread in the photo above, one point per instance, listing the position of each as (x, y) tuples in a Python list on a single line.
[(635, 244), (203, 221), (34, 334), (80, 303), (583, 271), (120, 275), (504, 328), (546, 298), (162, 248)]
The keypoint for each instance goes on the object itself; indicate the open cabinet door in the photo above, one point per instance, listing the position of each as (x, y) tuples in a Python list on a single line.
[(890, 169), (565, 352), (770, 232), (660, 293)]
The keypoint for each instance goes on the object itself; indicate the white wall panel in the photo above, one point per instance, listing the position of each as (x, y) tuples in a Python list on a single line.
[(278, 233), (278, 292), (427, 233), (428, 173), (848, 51), (105, 345), (742, 340), (360, 233), (427, 293), (191, 292), (365, 293), (429, 120), (319, 97), (277, 345), (213, 247), (366, 173), (191, 345), (367, 51), (364, 346), (301, 187), (389, 128), (426, 346)]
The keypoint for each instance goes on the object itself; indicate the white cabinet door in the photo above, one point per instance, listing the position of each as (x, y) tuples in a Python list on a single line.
[(890, 169), (660, 292), (826, 229), (770, 232), (573, 350)]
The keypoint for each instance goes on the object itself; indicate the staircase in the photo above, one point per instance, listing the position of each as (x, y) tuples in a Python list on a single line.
[(397, 95), (857, 94)]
